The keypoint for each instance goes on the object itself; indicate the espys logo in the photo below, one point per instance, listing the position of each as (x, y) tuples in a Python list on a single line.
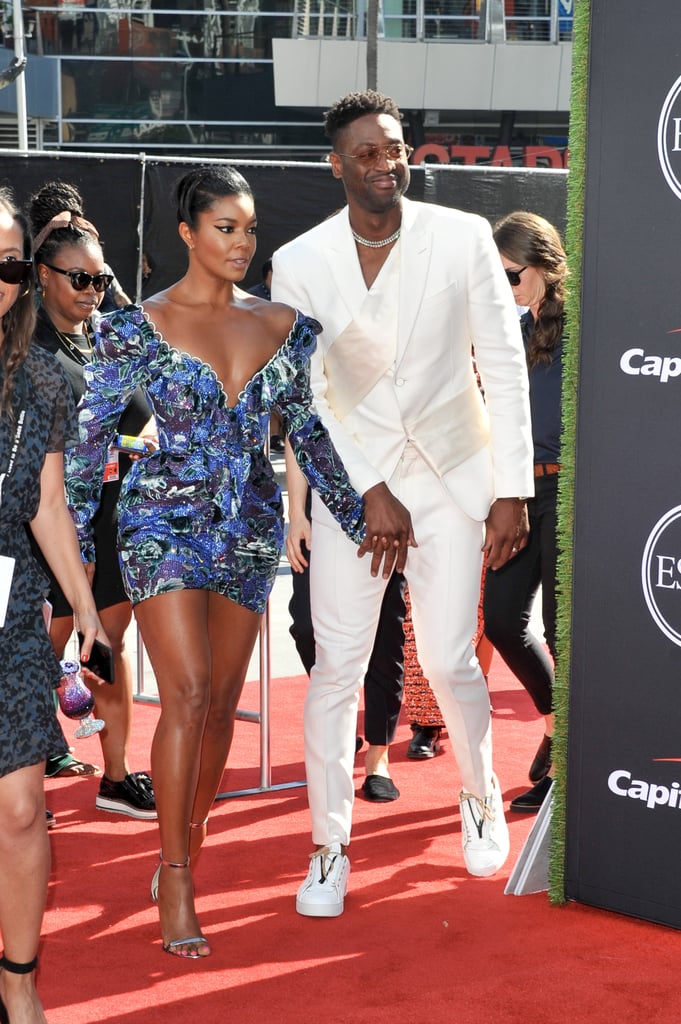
[(669, 138), (661, 574)]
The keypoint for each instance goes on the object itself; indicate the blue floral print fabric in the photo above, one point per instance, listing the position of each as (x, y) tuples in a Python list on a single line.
[(205, 510)]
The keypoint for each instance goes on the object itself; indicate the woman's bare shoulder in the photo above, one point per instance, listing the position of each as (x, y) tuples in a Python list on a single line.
[(157, 307), (158, 301), (276, 318), (282, 317)]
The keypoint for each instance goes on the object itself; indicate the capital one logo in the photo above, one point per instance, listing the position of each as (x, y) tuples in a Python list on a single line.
[(661, 574), (669, 138)]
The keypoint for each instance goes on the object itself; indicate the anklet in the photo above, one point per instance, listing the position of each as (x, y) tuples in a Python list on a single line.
[(14, 968)]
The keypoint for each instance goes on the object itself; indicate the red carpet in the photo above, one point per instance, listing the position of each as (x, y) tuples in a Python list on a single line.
[(420, 940)]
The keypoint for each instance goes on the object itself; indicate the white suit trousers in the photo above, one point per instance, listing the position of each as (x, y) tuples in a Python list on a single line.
[(443, 574)]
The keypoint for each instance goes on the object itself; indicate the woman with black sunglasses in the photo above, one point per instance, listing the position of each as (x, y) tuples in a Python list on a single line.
[(536, 266), (73, 278), (37, 420)]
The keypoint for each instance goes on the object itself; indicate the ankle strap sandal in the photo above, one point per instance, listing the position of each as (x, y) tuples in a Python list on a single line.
[(157, 873)]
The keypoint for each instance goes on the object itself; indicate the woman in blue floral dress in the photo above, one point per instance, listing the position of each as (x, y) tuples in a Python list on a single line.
[(201, 526), (37, 418)]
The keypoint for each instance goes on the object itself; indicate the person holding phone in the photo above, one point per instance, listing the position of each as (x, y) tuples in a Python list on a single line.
[(37, 419), (73, 278), (201, 518)]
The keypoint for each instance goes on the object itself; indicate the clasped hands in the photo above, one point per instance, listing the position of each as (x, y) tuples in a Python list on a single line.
[(389, 531)]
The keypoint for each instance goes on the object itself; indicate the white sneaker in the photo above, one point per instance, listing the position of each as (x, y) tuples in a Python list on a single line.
[(323, 892), (484, 833)]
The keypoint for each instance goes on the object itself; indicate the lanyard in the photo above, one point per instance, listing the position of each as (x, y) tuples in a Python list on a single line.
[(13, 452)]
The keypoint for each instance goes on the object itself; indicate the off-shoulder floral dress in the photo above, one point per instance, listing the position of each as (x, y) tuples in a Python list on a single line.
[(44, 421), (205, 510)]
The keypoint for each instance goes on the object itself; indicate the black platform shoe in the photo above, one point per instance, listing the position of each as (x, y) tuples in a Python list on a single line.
[(424, 742), (543, 760), (531, 801)]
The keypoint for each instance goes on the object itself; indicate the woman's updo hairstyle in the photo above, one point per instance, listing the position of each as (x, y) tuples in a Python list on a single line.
[(53, 199), (198, 190)]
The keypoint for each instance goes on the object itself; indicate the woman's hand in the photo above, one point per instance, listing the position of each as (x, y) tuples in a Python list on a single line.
[(300, 530), (299, 534), (87, 623), (149, 435)]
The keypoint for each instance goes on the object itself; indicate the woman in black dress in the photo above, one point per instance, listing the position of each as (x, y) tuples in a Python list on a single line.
[(37, 419), (73, 278)]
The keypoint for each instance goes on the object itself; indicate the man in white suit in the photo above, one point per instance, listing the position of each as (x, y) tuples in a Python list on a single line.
[(405, 292)]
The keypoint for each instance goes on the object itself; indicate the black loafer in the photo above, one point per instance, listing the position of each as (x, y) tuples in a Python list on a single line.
[(530, 802), (543, 760), (424, 742), (379, 790)]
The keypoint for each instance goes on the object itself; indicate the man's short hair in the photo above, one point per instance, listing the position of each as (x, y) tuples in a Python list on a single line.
[(355, 105)]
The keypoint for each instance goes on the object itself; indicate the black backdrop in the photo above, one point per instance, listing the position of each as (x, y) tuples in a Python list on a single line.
[(111, 194), (624, 757), (290, 198)]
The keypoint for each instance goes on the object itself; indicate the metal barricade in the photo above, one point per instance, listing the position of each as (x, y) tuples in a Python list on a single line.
[(261, 717)]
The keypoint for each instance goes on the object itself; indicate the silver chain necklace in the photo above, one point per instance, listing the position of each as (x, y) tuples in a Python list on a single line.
[(376, 245)]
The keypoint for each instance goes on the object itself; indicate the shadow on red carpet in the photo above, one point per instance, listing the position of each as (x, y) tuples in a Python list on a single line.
[(420, 940)]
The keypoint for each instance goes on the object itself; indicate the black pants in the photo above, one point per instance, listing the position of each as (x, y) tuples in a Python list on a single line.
[(384, 680), (510, 593)]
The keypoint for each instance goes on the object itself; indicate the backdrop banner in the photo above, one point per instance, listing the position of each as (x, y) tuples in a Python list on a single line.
[(125, 193), (624, 748), (111, 198)]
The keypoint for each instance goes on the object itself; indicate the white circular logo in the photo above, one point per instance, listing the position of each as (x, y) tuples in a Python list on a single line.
[(669, 138), (661, 574)]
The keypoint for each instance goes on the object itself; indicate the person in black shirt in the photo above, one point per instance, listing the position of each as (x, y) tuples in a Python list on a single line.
[(535, 263), (73, 277)]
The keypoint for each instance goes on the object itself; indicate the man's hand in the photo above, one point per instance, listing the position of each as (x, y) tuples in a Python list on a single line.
[(388, 531), (506, 531)]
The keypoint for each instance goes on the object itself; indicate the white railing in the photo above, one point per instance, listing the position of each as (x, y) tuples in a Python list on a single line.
[(82, 32)]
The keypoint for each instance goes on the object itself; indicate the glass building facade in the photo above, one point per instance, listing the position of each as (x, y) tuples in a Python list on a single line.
[(197, 75)]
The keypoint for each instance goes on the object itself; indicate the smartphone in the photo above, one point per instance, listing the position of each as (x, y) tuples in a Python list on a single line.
[(101, 660), (127, 443)]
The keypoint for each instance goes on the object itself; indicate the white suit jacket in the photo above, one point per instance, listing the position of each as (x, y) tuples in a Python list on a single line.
[(453, 298)]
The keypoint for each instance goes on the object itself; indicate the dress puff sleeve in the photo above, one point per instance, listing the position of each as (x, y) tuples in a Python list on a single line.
[(119, 366), (310, 440)]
